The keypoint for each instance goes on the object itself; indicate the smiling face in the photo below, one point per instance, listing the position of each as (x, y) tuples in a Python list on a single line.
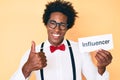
[(56, 35)]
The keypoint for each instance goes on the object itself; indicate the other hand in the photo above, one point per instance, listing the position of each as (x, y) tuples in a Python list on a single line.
[(103, 58)]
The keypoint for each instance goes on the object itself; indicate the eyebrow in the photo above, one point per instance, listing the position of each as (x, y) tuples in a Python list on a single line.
[(58, 22)]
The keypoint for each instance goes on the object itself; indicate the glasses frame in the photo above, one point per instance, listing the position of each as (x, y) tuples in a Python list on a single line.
[(53, 24)]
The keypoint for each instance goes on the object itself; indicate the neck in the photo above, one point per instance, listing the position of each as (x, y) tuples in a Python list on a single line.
[(55, 44)]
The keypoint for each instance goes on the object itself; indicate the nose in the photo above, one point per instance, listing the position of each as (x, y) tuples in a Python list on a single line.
[(57, 28)]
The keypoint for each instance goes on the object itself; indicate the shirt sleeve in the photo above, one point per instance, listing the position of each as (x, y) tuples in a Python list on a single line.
[(18, 75), (105, 76), (89, 70)]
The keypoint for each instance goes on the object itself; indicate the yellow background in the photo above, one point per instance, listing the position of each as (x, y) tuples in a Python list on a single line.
[(21, 22)]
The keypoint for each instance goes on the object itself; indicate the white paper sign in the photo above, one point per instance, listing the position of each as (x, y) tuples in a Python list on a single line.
[(88, 44)]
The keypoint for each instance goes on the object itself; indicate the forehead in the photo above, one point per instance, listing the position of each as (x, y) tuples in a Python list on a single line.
[(58, 16)]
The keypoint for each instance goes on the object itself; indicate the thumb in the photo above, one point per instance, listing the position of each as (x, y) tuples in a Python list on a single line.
[(33, 47)]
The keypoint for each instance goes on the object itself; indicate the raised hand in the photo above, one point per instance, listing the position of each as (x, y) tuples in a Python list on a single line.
[(103, 58), (35, 61)]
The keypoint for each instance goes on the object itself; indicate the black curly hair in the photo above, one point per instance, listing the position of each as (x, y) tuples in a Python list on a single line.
[(60, 6)]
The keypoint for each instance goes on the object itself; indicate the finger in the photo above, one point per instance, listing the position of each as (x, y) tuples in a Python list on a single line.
[(100, 58), (41, 54), (109, 56), (33, 47), (102, 55), (98, 61), (107, 53), (44, 62)]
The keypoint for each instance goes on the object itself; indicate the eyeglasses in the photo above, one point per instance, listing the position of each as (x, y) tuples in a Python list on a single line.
[(53, 24)]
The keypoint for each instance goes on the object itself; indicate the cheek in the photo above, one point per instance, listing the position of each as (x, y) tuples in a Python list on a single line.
[(49, 32), (64, 32)]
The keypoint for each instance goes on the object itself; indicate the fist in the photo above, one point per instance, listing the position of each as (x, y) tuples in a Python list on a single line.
[(103, 58), (36, 61)]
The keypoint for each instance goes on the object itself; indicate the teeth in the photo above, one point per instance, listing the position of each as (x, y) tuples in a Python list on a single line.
[(56, 35)]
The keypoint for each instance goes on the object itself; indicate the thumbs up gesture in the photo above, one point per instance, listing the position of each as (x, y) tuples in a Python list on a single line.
[(35, 61)]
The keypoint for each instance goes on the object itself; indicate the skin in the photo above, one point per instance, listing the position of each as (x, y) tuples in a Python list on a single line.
[(38, 60), (56, 40), (104, 58), (35, 61)]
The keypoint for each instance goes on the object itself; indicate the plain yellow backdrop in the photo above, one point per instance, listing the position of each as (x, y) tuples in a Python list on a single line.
[(21, 22)]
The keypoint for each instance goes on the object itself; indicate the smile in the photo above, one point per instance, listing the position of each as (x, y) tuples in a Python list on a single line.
[(56, 35)]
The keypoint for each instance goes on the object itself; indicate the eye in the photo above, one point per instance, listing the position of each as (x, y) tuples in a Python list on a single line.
[(63, 24), (52, 22)]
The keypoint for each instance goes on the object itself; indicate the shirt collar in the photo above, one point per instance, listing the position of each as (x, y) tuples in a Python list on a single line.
[(47, 43)]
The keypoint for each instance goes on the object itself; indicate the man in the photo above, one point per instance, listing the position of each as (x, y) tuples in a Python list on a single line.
[(58, 58)]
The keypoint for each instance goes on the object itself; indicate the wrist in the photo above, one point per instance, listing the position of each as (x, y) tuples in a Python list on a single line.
[(101, 70), (26, 70)]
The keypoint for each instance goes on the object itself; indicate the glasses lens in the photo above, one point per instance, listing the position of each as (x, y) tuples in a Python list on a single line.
[(63, 26), (53, 24)]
